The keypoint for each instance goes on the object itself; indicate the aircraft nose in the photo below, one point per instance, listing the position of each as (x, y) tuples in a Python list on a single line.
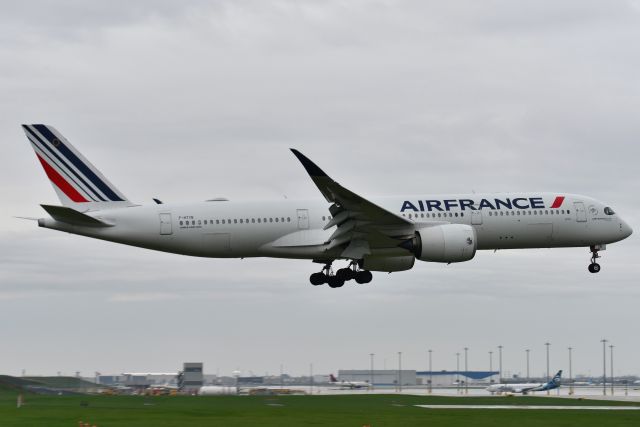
[(625, 229)]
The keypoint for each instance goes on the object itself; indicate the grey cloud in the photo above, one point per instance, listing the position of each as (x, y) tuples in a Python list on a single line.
[(192, 100)]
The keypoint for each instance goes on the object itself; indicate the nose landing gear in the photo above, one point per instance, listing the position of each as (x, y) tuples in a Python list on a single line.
[(594, 267)]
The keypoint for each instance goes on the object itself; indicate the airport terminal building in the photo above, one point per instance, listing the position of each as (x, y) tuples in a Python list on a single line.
[(389, 377), (449, 378)]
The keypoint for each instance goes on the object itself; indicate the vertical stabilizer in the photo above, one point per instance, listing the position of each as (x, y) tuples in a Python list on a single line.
[(79, 184)]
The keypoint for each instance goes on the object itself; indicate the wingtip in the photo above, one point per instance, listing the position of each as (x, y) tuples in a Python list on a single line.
[(311, 168)]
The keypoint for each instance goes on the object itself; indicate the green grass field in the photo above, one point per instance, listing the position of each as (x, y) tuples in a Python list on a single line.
[(352, 410)]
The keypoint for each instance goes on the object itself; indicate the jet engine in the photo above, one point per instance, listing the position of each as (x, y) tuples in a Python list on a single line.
[(445, 243)]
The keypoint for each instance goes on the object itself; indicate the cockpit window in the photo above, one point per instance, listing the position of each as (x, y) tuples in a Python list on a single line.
[(608, 211)]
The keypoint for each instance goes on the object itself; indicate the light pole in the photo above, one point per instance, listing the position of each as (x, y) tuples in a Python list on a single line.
[(458, 373), (547, 344), (490, 366), (310, 378), (371, 369), (466, 372), (430, 374), (528, 350), (612, 376), (500, 363), (570, 374), (604, 366), (400, 371)]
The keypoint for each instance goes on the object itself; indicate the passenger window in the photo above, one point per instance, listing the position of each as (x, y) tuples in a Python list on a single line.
[(568, 211), (323, 218), (217, 221), (501, 213), (180, 222), (456, 214), (462, 214), (253, 220), (258, 220), (270, 219), (240, 220)]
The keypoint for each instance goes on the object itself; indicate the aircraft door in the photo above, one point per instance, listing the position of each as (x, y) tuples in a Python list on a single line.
[(165, 224), (303, 219), (581, 214), (476, 217)]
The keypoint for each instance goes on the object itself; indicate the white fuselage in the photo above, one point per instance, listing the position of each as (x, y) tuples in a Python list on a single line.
[(294, 228)]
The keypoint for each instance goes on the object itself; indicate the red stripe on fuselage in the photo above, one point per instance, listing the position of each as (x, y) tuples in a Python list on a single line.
[(61, 183), (557, 202)]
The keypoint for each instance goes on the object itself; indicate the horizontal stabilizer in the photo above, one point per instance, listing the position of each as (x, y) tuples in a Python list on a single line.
[(73, 217)]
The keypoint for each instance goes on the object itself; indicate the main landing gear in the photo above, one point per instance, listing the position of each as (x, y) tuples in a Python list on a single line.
[(594, 267), (341, 276)]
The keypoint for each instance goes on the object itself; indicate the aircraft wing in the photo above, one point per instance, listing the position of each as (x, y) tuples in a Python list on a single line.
[(361, 224)]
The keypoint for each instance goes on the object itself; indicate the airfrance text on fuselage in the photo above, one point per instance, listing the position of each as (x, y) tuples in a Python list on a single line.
[(463, 204)]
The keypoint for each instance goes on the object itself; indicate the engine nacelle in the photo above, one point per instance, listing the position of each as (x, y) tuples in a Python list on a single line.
[(388, 264), (445, 243)]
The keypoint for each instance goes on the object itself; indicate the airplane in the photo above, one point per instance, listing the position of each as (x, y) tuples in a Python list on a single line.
[(348, 384), (526, 388), (383, 234)]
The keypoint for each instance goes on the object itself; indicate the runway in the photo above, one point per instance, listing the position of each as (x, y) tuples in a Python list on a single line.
[(534, 407)]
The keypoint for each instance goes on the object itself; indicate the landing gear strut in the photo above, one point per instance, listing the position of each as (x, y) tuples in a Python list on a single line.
[(341, 276), (594, 267)]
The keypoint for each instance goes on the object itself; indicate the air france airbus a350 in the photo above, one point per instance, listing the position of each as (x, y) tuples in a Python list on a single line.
[(381, 234)]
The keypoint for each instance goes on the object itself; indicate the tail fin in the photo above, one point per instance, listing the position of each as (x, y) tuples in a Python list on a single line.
[(78, 183), (332, 378), (556, 377)]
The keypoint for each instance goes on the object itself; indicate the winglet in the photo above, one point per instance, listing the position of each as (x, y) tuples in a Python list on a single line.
[(312, 168)]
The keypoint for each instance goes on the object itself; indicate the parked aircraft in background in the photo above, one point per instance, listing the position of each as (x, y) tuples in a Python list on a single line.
[(382, 234), (526, 388), (348, 384)]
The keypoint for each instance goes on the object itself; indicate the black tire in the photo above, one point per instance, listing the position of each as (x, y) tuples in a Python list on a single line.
[(363, 276), (345, 274), (318, 279), (335, 282), (368, 277), (594, 268)]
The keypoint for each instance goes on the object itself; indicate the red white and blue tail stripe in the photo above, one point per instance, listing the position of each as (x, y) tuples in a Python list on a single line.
[(78, 183)]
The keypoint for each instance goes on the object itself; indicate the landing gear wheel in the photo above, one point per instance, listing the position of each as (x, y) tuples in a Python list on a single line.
[(335, 281), (318, 279), (363, 276), (345, 274), (594, 267)]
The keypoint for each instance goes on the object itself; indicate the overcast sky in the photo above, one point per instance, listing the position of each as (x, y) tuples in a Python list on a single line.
[(191, 100)]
